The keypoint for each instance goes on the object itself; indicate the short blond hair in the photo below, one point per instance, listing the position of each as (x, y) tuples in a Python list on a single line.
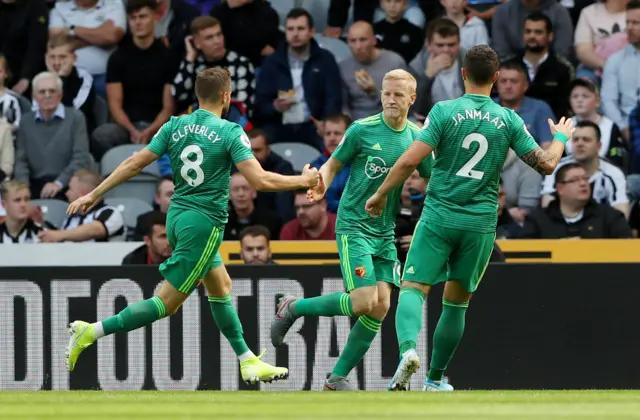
[(12, 186), (399, 74)]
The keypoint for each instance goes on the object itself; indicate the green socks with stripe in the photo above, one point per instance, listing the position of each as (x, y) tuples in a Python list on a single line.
[(360, 338), (133, 317), (326, 305), (409, 318), (446, 337), (226, 318)]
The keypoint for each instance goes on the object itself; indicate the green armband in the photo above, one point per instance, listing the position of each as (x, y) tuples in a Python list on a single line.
[(561, 137)]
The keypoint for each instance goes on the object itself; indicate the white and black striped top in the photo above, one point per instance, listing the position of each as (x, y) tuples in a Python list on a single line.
[(608, 184), (109, 216), (28, 234), (10, 108)]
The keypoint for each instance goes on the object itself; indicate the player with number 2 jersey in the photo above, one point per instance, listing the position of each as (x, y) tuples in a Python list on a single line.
[(201, 147), (455, 235)]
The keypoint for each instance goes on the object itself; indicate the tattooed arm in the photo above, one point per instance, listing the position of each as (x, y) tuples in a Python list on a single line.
[(544, 161)]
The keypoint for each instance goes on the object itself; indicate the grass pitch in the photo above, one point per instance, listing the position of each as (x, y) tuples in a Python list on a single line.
[(478, 405)]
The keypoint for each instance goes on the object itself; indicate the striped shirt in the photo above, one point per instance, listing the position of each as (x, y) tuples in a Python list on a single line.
[(109, 216), (28, 234)]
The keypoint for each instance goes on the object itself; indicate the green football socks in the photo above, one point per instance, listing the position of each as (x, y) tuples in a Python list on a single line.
[(226, 318), (446, 337), (360, 338), (135, 316), (326, 305), (409, 318)]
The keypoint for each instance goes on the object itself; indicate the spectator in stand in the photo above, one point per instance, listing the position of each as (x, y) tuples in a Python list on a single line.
[(411, 203), (312, 221), (438, 67), (608, 183), (172, 25), (585, 101), (620, 81), (483, 9), (156, 248), (52, 141), (634, 139), (575, 215), (162, 200), (298, 85), (138, 84), (97, 27), (243, 211), (255, 247), (397, 34), (101, 223), (205, 49), (600, 32), (508, 26), (10, 109), (549, 73), (281, 203), (333, 131), (513, 82), (507, 227), (18, 227), (23, 40), (251, 28), (362, 73), (473, 31), (77, 83), (521, 186), (7, 150)]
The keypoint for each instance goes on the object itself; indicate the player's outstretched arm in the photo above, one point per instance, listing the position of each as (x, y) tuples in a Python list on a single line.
[(545, 161), (129, 168), (263, 180), (327, 173)]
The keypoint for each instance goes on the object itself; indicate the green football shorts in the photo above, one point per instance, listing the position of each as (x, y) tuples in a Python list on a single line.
[(439, 254), (195, 241), (366, 260)]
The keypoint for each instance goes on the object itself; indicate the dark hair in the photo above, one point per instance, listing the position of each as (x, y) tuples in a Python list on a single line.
[(136, 5), (443, 27), (155, 218), (211, 83), (161, 180), (481, 63), (515, 65), (592, 125), (253, 231), (339, 118), (541, 17), (203, 22), (258, 132), (297, 12), (633, 4), (561, 174)]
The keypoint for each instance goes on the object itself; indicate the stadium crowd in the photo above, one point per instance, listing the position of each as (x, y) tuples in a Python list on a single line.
[(85, 82)]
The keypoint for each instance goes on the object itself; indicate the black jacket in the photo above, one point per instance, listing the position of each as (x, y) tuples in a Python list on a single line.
[(179, 28), (138, 256), (599, 221), (260, 216)]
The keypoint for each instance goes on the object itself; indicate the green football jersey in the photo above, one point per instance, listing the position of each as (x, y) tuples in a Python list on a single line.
[(201, 147), (371, 147), (471, 136)]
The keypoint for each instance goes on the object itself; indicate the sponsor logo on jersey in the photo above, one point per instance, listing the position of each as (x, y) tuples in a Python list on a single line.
[(360, 271), (410, 270), (245, 140), (426, 124), (375, 167), (376, 147), (526, 130)]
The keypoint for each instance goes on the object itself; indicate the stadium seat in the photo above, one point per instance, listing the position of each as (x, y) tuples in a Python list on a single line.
[(298, 154), (282, 7), (338, 48), (54, 211), (318, 9), (142, 186), (130, 208)]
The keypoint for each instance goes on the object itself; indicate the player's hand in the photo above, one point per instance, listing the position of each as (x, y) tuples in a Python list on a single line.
[(311, 176), (436, 64), (565, 126), (375, 204), (317, 193), (82, 204)]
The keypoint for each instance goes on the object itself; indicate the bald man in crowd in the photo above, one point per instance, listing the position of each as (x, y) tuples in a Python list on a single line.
[(362, 73)]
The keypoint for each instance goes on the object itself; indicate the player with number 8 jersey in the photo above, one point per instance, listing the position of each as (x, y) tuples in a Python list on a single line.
[(201, 148)]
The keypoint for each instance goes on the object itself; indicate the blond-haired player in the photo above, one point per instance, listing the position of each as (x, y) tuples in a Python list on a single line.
[(366, 246)]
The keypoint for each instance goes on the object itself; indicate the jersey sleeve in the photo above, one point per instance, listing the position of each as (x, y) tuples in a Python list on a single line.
[(239, 145), (160, 141), (349, 146), (433, 127), (425, 167), (522, 142)]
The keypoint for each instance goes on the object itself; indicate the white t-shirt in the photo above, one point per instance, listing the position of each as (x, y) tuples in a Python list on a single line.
[(596, 24)]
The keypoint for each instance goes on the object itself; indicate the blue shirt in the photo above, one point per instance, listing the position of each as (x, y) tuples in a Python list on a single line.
[(535, 114), (621, 85), (59, 113)]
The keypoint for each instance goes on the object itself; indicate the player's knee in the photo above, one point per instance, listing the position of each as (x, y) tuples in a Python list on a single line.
[(363, 301), (381, 308), (171, 306), (424, 288)]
